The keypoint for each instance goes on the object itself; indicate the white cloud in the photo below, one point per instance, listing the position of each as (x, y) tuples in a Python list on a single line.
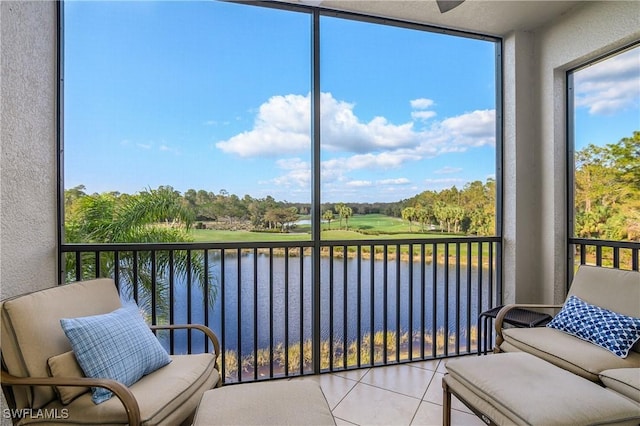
[(611, 85), (472, 129), (144, 145), (359, 183), (447, 170), (282, 129), (398, 181), (422, 103), (423, 115)]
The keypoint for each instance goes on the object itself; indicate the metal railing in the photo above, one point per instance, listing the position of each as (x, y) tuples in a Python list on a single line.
[(379, 302), (613, 254)]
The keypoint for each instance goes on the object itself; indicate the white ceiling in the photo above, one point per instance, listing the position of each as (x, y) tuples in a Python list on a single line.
[(497, 17)]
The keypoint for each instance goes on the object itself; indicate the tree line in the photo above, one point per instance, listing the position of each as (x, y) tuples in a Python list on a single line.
[(607, 206), (607, 190)]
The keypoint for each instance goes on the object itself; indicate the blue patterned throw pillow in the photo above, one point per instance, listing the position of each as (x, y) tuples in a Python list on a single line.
[(118, 345), (615, 332)]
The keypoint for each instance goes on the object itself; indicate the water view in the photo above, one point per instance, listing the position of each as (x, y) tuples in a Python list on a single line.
[(267, 302)]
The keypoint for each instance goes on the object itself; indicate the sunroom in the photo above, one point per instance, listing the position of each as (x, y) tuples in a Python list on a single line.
[(539, 48)]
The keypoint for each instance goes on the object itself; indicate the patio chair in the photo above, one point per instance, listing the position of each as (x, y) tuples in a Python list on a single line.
[(42, 379)]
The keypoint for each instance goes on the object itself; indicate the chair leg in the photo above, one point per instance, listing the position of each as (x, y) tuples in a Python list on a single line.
[(446, 405)]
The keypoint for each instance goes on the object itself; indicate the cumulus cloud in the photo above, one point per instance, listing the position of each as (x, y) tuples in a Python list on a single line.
[(282, 127), (611, 85), (282, 130)]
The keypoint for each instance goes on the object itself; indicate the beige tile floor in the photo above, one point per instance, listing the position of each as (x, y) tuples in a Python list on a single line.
[(406, 394)]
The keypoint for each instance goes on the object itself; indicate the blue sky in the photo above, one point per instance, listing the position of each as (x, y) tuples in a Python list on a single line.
[(213, 96)]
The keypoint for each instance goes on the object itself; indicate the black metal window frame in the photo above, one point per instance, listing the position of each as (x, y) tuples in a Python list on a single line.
[(572, 240), (316, 244)]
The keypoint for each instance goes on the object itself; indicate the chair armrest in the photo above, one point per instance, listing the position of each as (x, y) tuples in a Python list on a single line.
[(206, 330), (506, 308), (119, 390)]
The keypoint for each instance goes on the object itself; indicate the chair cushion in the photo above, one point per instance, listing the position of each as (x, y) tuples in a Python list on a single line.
[(31, 332), (566, 351), (623, 380), (66, 365), (293, 402), (609, 288), (615, 332), (553, 396), (167, 396), (118, 345)]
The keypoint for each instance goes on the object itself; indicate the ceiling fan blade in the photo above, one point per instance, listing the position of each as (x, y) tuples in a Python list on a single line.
[(447, 5)]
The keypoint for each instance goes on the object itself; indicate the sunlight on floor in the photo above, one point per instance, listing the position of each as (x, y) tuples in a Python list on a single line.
[(407, 394)]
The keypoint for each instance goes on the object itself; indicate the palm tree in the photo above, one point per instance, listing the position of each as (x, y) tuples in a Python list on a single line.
[(328, 216), (152, 216)]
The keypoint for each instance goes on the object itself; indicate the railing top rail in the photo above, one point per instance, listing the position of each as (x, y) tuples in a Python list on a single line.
[(605, 243), (82, 247)]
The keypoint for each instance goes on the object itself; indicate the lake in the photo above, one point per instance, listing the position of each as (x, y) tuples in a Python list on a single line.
[(255, 300)]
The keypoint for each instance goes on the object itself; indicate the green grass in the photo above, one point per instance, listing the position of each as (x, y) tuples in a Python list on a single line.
[(210, 235), (361, 227)]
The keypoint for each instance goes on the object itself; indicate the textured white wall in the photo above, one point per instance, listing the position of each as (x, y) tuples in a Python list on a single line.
[(594, 29), (535, 65), (521, 157), (27, 148)]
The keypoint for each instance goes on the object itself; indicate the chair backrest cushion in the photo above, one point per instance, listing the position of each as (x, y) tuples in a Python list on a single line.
[(614, 289), (31, 331)]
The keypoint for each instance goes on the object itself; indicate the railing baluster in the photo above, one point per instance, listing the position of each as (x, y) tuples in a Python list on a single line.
[(397, 312), (134, 278), (171, 299), (301, 309), (359, 306), (410, 303), (385, 298), (205, 296), (331, 332), (239, 312), (372, 314), (286, 311), (423, 291), (189, 300), (434, 291), (154, 287), (458, 321), (97, 260), (255, 313), (270, 311), (116, 269), (223, 311), (446, 299), (468, 300), (345, 347)]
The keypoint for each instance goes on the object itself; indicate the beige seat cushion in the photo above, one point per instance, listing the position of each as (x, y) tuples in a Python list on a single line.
[(623, 380), (566, 351), (519, 388), (167, 396), (31, 323), (293, 402)]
